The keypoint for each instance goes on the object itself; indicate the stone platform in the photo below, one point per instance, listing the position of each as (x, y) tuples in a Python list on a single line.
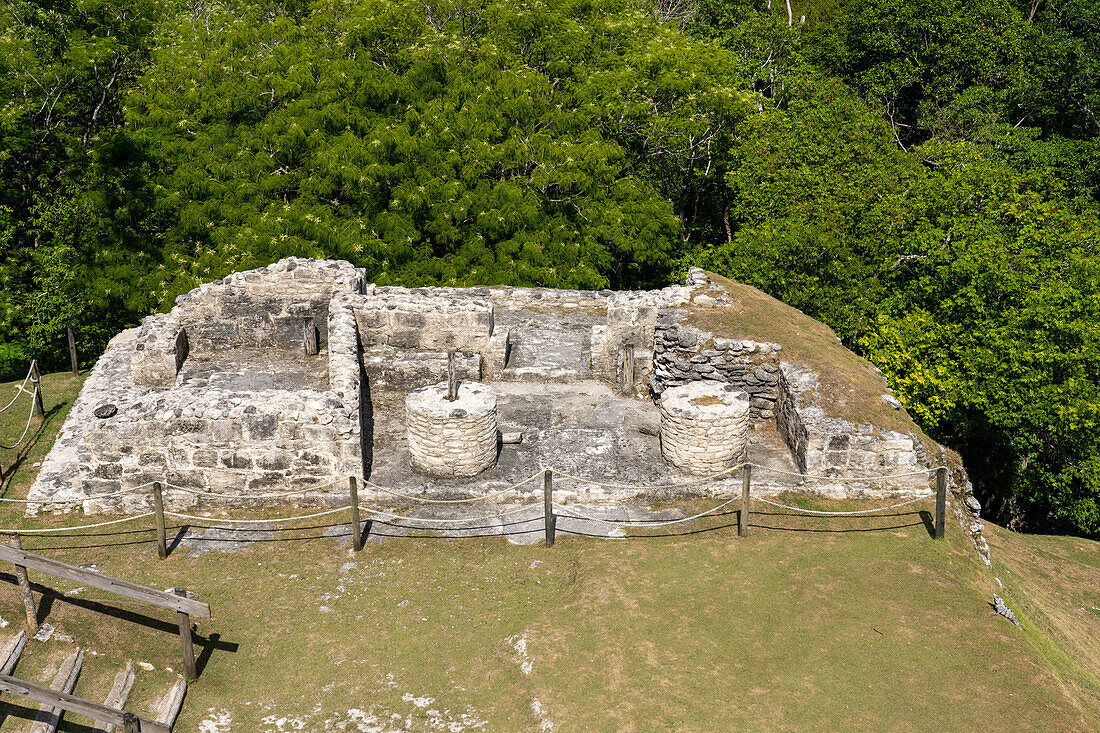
[(285, 381)]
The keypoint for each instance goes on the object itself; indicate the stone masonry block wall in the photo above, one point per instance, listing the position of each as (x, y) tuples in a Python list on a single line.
[(389, 317), (704, 427), (160, 350), (452, 439), (270, 441), (265, 307), (683, 354)]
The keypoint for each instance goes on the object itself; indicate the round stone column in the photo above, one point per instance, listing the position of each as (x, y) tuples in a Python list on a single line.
[(452, 439), (704, 427)]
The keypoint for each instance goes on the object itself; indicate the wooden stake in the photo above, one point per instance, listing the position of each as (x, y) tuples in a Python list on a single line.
[(743, 515), (72, 351), (548, 505), (309, 337), (25, 589), (36, 381), (452, 382), (130, 723), (158, 506), (185, 640), (356, 527), (628, 369), (941, 502)]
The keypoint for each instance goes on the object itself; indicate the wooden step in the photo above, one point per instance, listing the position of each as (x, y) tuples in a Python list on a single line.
[(120, 690), (169, 708)]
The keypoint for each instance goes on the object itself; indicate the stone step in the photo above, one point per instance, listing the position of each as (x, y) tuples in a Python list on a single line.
[(49, 717), (11, 652)]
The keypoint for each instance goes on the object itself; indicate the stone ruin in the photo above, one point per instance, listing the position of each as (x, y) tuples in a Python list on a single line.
[(288, 379)]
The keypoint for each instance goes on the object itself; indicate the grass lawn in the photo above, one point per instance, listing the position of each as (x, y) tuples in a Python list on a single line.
[(806, 624)]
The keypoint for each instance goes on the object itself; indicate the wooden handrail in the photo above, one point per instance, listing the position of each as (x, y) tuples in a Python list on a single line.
[(76, 705), (125, 588)]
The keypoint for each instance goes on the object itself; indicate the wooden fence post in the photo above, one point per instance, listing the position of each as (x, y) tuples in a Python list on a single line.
[(452, 381), (158, 507), (73, 361), (25, 589), (548, 505), (356, 527), (743, 515), (941, 502), (130, 723), (185, 640), (36, 381), (628, 369)]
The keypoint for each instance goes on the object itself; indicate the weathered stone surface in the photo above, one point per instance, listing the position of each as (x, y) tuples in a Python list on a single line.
[(704, 427), (452, 439), (220, 398)]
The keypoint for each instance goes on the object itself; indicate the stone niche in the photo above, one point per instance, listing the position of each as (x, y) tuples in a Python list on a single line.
[(452, 438), (704, 427)]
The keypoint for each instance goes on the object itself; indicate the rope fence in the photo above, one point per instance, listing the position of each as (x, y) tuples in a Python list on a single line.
[(551, 509), (36, 409)]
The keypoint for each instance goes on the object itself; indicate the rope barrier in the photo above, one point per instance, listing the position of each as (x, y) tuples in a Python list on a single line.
[(21, 390), (636, 523), (27, 429), (401, 518), (565, 510), (925, 472), (275, 520), (266, 495), (425, 500), (845, 514), (76, 527), (637, 487)]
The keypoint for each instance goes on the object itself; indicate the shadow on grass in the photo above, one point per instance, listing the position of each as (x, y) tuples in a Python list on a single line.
[(12, 710), (182, 535), (49, 596), (7, 472)]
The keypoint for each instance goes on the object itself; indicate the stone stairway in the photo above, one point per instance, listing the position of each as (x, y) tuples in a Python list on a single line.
[(48, 719)]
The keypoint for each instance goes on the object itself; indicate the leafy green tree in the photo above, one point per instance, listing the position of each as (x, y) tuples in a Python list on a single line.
[(438, 143), (913, 59)]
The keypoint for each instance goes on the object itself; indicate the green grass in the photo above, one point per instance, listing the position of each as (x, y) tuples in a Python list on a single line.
[(806, 624), (17, 467)]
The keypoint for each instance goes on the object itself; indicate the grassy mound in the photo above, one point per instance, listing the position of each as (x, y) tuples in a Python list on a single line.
[(851, 387)]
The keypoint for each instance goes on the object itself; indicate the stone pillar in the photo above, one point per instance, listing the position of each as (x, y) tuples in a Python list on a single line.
[(452, 439), (704, 427)]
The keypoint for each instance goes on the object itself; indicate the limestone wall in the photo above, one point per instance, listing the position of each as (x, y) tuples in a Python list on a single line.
[(271, 441), (160, 351), (829, 446), (683, 354), (264, 307), (402, 319)]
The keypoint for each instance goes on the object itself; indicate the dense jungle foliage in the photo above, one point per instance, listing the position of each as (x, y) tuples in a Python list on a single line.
[(923, 176)]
